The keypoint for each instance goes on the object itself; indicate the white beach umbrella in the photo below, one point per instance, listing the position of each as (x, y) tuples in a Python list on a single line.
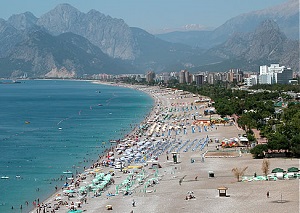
[(152, 161), (138, 154)]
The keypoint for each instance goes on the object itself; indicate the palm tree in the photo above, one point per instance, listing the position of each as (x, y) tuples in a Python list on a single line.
[(265, 167), (238, 172)]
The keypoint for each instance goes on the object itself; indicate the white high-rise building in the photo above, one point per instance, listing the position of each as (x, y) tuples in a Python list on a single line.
[(252, 80), (274, 74)]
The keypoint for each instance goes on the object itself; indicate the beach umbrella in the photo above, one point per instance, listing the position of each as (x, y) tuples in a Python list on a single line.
[(75, 211), (69, 191), (100, 175), (148, 143), (95, 181), (138, 154), (293, 169), (277, 170), (152, 161), (82, 189)]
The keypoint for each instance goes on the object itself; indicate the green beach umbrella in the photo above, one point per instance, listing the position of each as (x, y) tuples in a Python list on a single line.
[(95, 181), (75, 211), (117, 189), (69, 191), (277, 170), (293, 169)]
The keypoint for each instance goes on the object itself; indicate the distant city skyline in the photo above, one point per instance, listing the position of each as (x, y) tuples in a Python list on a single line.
[(151, 15)]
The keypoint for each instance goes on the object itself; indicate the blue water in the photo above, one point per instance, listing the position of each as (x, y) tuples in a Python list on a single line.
[(47, 127)]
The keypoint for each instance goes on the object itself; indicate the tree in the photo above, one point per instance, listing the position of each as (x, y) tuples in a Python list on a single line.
[(258, 150), (295, 145), (265, 167), (238, 172)]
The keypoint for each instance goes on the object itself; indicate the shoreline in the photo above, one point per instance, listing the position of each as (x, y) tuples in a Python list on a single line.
[(102, 154), (156, 189)]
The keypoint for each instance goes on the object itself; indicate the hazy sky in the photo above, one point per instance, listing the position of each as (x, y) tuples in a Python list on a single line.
[(148, 14)]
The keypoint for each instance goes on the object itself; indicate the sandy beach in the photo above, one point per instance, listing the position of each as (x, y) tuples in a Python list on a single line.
[(153, 182)]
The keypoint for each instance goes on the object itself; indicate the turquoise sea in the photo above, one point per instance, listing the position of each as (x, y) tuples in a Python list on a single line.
[(48, 127)]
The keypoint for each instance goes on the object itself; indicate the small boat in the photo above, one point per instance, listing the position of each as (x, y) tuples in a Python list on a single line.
[(68, 172), (4, 177), (100, 105), (27, 122), (59, 128), (18, 176)]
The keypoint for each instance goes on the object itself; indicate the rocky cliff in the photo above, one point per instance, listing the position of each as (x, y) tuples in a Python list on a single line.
[(112, 36), (266, 44)]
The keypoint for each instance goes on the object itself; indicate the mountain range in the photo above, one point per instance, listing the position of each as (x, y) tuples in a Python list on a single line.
[(65, 42), (285, 15)]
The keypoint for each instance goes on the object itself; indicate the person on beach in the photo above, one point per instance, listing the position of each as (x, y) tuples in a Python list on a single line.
[(133, 203), (268, 194)]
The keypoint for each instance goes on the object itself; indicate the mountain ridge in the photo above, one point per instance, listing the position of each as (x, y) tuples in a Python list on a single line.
[(267, 43), (285, 14), (41, 53), (65, 41), (100, 29)]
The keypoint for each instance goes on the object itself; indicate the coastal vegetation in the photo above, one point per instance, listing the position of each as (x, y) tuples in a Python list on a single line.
[(267, 108), (258, 108)]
